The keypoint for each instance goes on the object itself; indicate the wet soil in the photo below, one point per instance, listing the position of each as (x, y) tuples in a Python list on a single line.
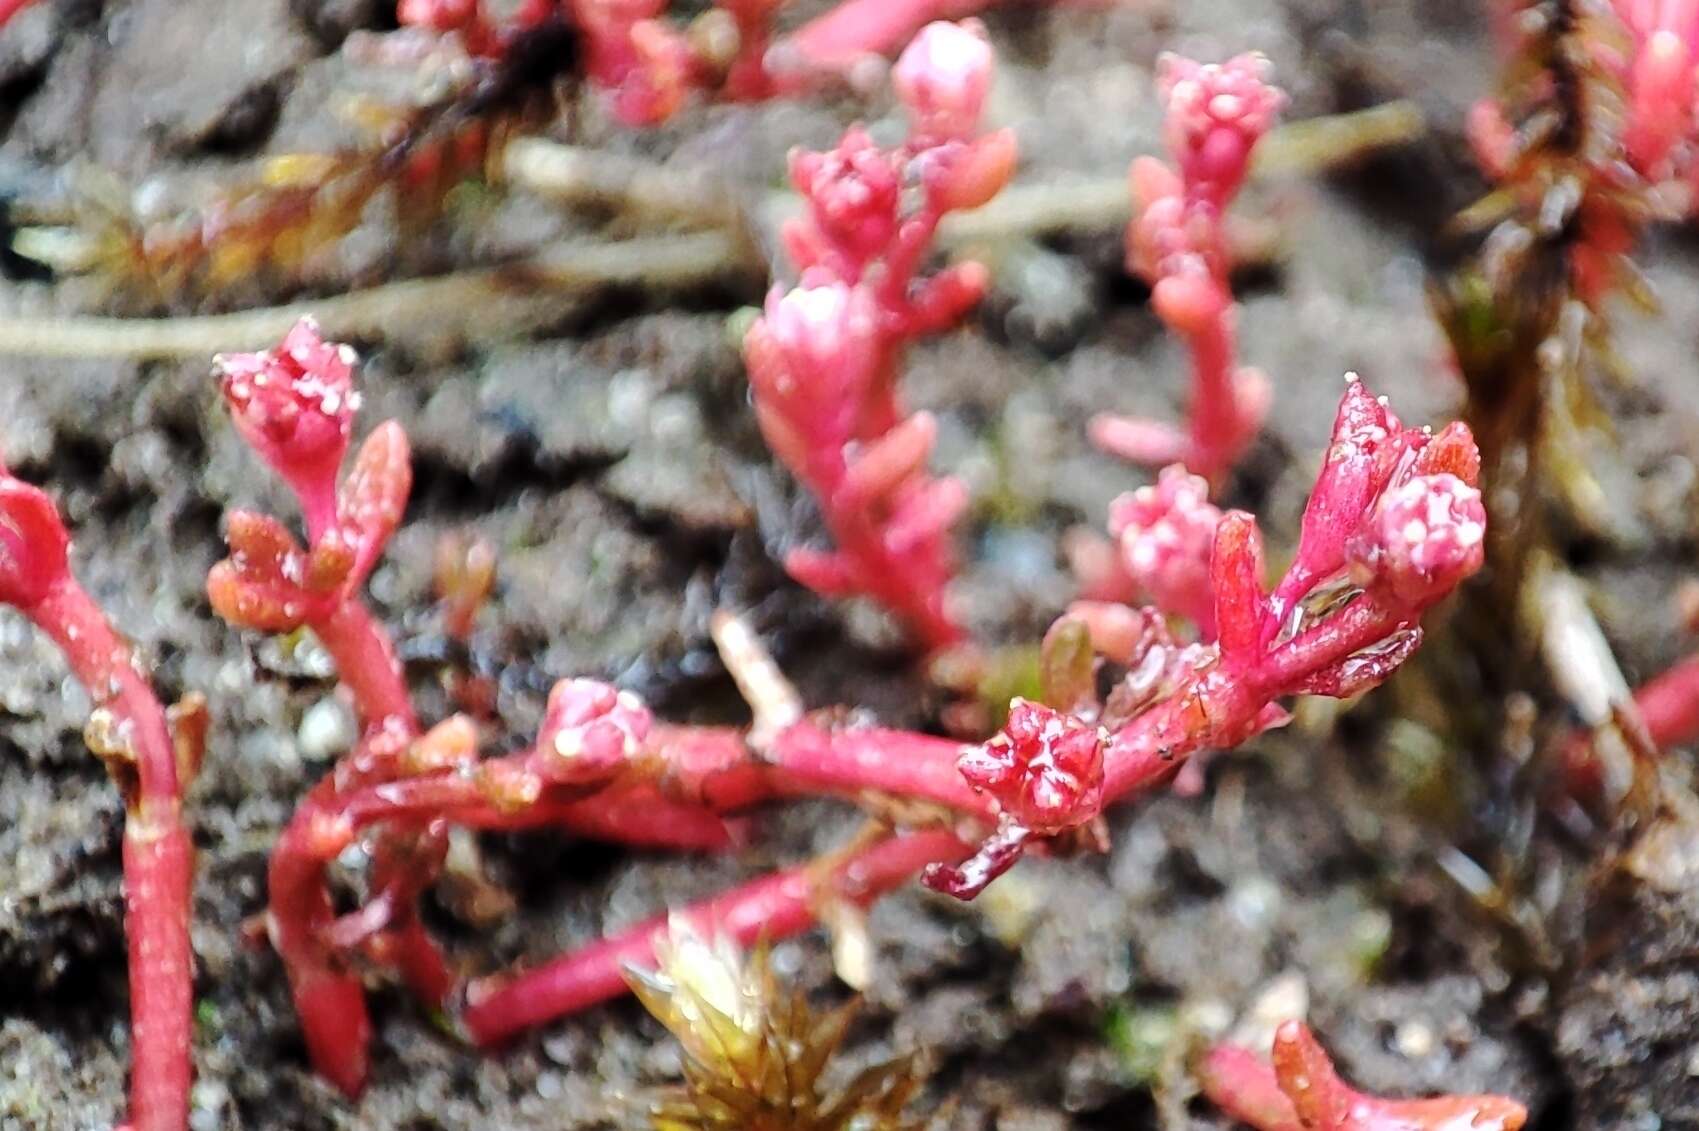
[(612, 462)]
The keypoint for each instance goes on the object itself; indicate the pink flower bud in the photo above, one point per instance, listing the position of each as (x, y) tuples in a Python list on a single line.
[(33, 543), (1045, 771), (1424, 538), (591, 730), (1216, 113), (1367, 444), (811, 359), (295, 406), (942, 78), (853, 194), (1166, 533)]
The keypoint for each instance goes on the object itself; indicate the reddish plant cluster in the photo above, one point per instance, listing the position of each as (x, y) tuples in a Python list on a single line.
[(825, 357), (1216, 113), (1394, 524), (400, 787), (152, 754), (1301, 1091), (649, 64)]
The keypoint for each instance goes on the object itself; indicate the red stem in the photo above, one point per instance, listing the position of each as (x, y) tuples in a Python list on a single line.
[(860, 538), (712, 765), (1216, 422), (159, 862), (413, 952), (107, 667), (716, 766), (854, 760), (329, 998), (693, 772), (698, 773), (366, 664), (637, 815), (773, 907), (923, 611), (1223, 701), (1669, 704), (158, 855), (1364, 622)]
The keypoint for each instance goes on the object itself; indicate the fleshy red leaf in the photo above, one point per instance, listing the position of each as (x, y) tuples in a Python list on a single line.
[(373, 497), (1361, 457), (1236, 569), (1452, 451), (248, 604)]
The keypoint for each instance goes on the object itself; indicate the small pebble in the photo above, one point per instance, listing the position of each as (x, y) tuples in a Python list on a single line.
[(327, 730), (1414, 1039)]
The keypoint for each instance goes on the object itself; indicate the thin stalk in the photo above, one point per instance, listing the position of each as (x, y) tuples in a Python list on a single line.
[(129, 730), (717, 767), (472, 304), (1216, 417), (773, 907), (367, 665)]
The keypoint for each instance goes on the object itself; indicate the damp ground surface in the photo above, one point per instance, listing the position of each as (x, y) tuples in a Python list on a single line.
[(610, 459)]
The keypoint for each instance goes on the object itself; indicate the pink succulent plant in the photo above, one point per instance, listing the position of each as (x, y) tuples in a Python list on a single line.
[(1215, 114)]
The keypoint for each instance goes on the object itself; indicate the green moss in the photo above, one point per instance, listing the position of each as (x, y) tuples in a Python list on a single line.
[(1143, 1037)]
